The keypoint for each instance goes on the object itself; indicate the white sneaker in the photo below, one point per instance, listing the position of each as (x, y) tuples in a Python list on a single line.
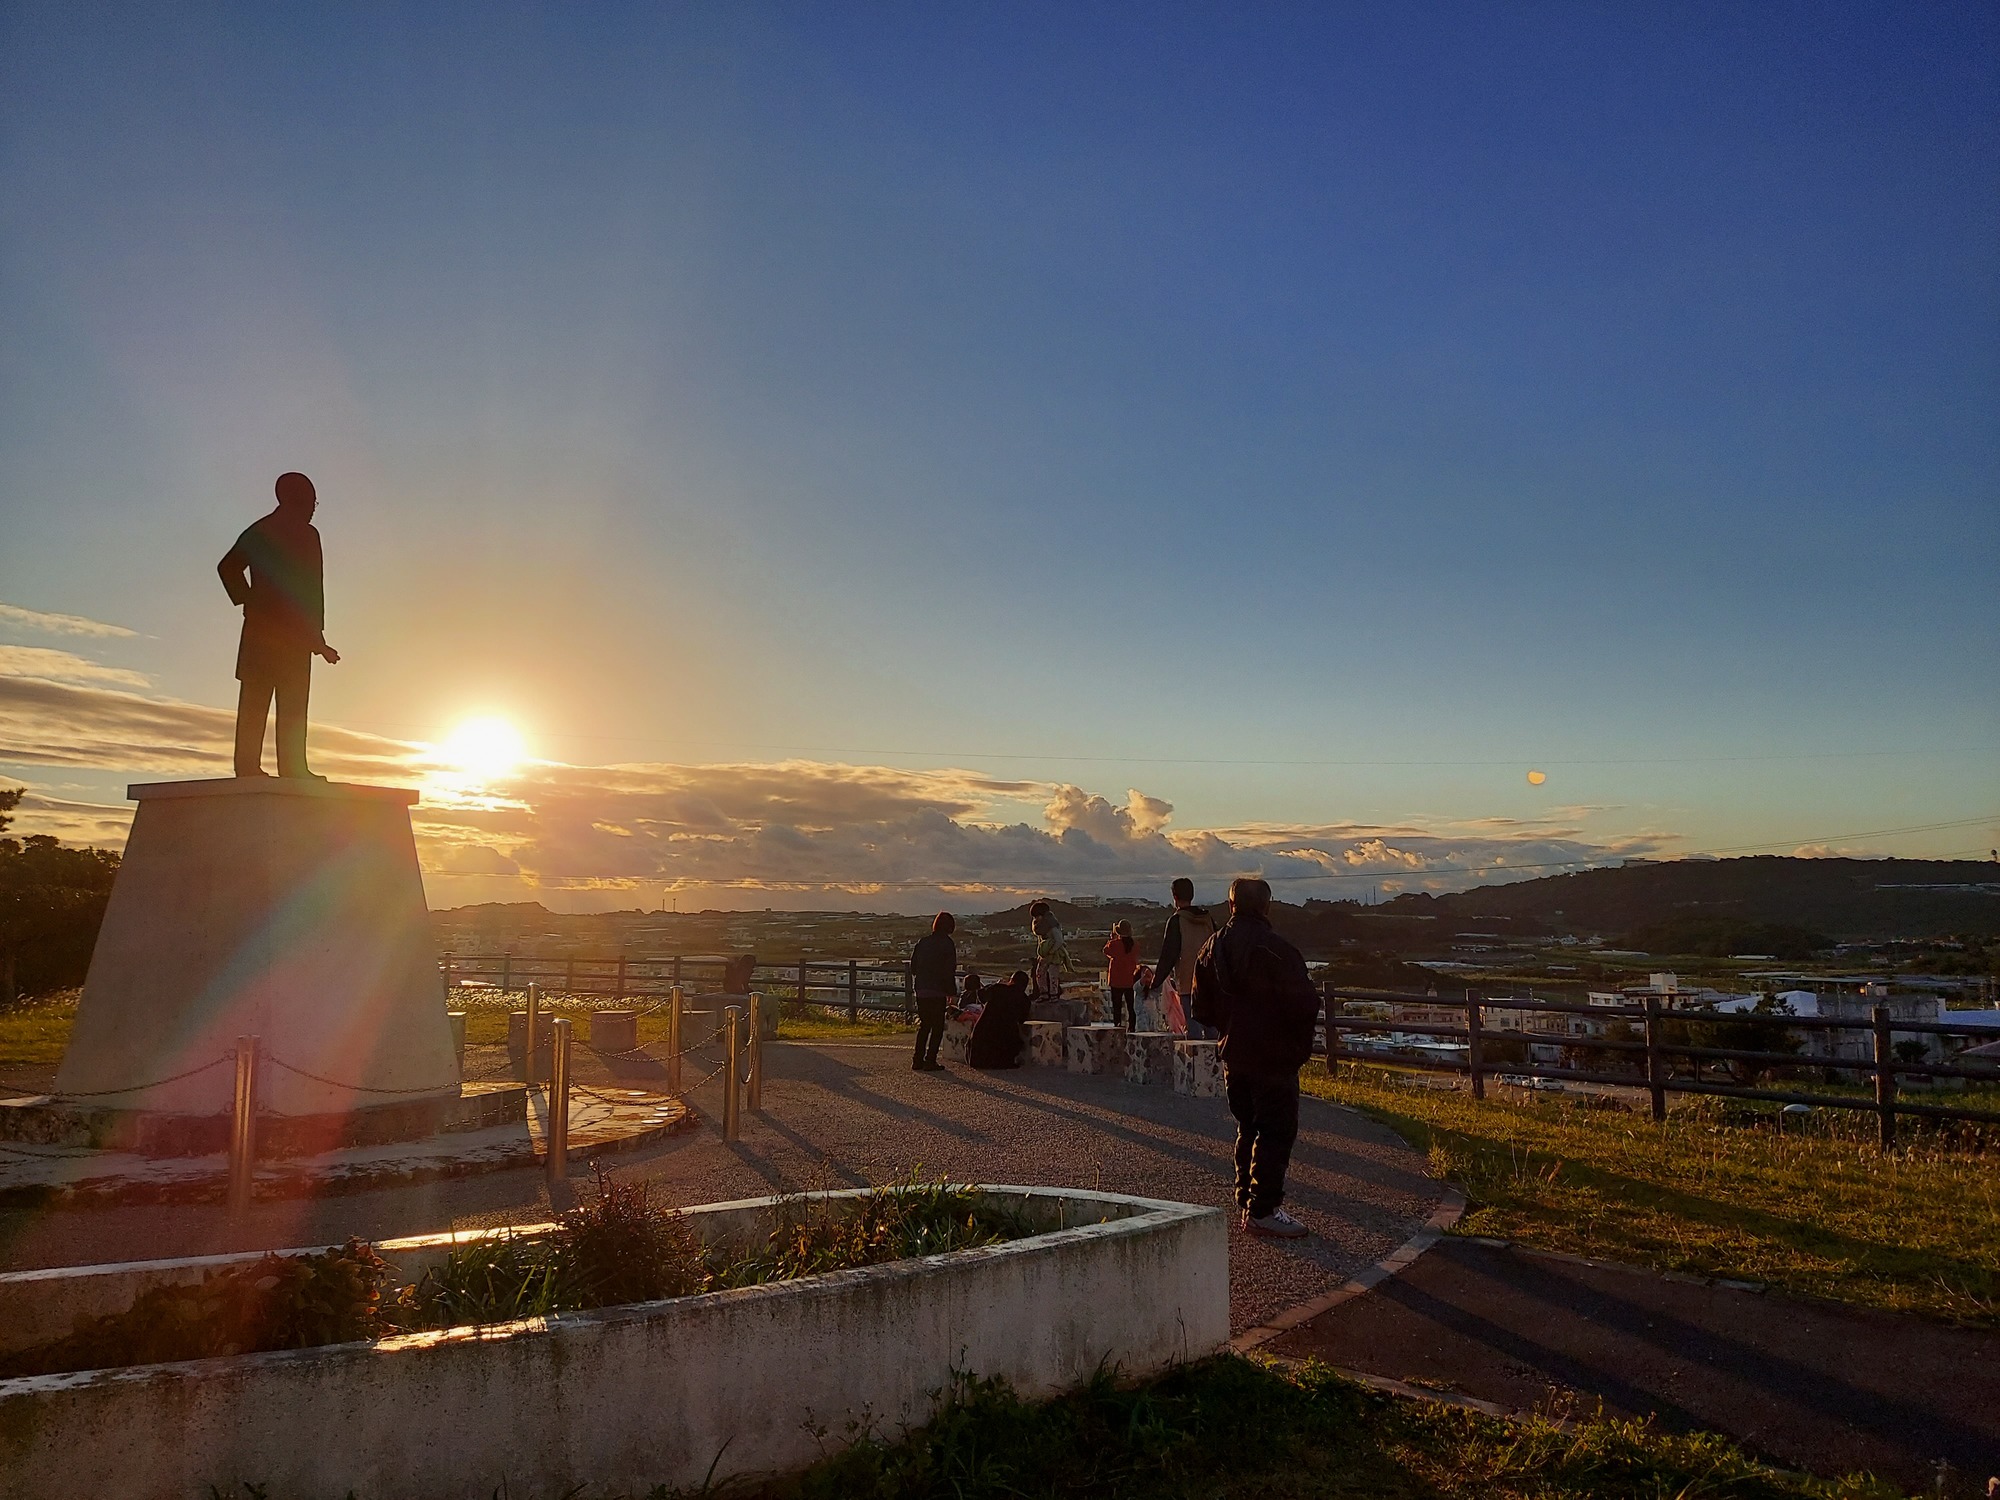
[(1276, 1225)]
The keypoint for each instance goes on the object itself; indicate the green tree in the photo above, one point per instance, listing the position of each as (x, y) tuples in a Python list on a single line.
[(52, 902)]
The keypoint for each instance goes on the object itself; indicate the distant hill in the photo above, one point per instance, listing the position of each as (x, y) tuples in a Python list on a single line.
[(1853, 900)]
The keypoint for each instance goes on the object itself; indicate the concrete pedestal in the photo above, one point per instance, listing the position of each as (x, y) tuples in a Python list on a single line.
[(957, 1043), (284, 909), (1097, 1048), (1149, 1057), (1197, 1069), (1045, 1043)]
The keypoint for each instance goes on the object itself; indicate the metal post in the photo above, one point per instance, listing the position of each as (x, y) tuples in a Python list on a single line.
[(507, 974), (853, 990), (1656, 1073), (674, 1038), (243, 1127), (732, 1072), (534, 1014), (677, 968), (558, 1142), (909, 992), (1885, 1079), (1332, 1013), (621, 976), (447, 974), (753, 1093), (1472, 1030), (802, 981)]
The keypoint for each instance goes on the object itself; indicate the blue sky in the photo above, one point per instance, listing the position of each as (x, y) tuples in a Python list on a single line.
[(1307, 416)]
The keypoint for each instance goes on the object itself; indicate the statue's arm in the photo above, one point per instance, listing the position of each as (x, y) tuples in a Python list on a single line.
[(234, 570)]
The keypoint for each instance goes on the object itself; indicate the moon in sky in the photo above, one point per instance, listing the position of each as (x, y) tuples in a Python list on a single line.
[(1536, 778)]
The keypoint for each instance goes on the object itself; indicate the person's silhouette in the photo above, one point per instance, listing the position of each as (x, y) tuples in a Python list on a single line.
[(284, 617)]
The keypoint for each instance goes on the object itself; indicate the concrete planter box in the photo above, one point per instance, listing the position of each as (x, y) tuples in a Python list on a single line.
[(631, 1397)]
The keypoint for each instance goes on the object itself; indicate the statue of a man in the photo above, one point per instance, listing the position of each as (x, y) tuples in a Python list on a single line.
[(284, 619)]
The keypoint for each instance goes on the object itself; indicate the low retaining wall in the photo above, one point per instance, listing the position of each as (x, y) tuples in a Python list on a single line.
[(659, 1393)]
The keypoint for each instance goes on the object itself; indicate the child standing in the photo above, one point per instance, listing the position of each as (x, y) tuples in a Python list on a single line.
[(1123, 956)]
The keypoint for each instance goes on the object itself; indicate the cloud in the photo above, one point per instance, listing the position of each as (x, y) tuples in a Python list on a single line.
[(795, 833), (52, 723), (63, 666), (52, 624)]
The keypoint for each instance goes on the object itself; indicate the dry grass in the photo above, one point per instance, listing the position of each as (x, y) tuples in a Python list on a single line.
[(1816, 1209)]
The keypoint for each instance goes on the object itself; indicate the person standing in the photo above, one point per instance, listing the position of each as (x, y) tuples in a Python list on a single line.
[(276, 574), (1122, 955), (1187, 929), (1252, 986), (933, 981)]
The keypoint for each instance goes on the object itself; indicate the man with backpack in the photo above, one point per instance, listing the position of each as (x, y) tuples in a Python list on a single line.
[(1252, 986)]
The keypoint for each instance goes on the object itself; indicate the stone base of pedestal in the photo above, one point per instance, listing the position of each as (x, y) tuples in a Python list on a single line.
[(55, 1122), (957, 1041), (1097, 1048), (1197, 1069), (1149, 1057), (1045, 1043), (287, 910)]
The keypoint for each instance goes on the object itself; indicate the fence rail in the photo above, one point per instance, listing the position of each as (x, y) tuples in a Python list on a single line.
[(873, 986), (1657, 1053)]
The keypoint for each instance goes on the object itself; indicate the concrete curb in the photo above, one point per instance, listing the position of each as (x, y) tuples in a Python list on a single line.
[(281, 1182), (1446, 1214)]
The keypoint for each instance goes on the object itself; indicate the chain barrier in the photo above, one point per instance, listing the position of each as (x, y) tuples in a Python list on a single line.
[(130, 1088), (358, 1088)]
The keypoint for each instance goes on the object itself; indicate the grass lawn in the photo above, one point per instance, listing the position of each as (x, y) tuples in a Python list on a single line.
[(1817, 1210), (1228, 1427), (34, 1033)]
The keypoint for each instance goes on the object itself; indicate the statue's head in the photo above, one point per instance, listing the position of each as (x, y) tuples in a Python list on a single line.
[(296, 496)]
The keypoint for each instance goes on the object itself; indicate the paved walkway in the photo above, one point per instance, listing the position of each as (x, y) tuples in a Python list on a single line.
[(1815, 1385), (845, 1114)]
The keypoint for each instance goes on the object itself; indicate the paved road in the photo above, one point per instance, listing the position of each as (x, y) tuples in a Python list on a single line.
[(1815, 1385), (852, 1113)]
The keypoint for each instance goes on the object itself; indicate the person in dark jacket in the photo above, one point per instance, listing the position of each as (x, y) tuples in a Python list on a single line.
[(996, 1037), (1188, 928), (933, 981), (1252, 986)]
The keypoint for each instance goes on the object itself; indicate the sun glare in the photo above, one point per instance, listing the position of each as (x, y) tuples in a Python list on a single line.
[(485, 749)]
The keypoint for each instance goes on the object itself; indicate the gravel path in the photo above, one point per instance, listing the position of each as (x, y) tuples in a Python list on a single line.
[(845, 1114)]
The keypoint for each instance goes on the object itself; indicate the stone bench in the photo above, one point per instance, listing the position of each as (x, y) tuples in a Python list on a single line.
[(1197, 1069), (1045, 1043), (1149, 1056), (614, 1030), (1097, 1048), (957, 1043)]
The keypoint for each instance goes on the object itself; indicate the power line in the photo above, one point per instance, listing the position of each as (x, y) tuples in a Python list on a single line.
[(1200, 760)]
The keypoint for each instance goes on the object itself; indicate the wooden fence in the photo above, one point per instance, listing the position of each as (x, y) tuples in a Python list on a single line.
[(1657, 1059), (873, 986)]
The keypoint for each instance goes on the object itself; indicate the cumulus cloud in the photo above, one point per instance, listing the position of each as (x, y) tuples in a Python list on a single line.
[(53, 624)]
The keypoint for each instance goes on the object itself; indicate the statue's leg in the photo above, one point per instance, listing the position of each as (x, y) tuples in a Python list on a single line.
[(294, 687), (253, 707)]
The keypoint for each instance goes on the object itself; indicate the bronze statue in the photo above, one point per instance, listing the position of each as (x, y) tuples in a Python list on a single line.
[(284, 620)]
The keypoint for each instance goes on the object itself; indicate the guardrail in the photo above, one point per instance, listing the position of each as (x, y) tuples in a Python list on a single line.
[(1651, 1043), (858, 985)]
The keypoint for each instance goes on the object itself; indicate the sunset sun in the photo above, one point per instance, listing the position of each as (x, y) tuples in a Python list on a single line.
[(485, 749)]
